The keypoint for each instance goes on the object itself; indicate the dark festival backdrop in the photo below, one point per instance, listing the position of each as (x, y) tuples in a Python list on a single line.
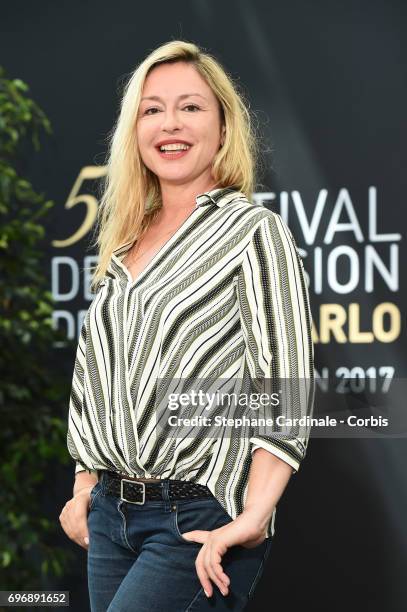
[(327, 82)]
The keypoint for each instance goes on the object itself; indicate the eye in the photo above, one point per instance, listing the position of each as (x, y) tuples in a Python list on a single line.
[(152, 108), (191, 106)]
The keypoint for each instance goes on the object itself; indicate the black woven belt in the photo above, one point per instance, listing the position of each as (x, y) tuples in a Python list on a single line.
[(137, 492)]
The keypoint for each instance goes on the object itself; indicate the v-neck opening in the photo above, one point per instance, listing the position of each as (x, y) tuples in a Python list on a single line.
[(134, 282)]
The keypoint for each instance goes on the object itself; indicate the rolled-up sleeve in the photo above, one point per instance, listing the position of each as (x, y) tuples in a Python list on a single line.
[(74, 439), (276, 324)]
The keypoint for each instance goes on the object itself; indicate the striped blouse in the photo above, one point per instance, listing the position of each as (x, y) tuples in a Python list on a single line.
[(225, 295)]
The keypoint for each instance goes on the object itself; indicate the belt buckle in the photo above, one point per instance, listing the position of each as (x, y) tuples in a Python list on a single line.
[(143, 489)]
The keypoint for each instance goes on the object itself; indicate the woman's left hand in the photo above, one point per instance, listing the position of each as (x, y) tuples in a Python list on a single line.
[(244, 530)]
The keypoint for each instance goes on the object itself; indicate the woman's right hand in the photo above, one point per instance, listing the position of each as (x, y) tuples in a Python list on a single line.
[(74, 517)]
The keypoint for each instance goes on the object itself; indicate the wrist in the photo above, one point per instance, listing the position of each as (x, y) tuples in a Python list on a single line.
[(258, 520), (87, 488)]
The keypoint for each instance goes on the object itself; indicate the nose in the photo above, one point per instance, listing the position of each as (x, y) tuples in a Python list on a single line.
[(171, 121)]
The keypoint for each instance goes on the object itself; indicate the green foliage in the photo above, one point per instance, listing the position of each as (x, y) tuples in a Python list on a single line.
[(32, 393)]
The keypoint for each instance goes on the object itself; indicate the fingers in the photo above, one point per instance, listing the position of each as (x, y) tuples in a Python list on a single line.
[(215, 564), (209, 568), (73, 520), (214, 569), (203, 575)]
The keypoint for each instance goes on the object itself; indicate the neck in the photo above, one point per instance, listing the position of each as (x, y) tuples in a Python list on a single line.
[(178, 200)]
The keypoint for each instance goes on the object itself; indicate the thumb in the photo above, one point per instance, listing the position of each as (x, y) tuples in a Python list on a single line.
[(198, 535)]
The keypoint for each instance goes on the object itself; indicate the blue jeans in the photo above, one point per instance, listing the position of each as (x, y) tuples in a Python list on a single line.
[(138, 560)]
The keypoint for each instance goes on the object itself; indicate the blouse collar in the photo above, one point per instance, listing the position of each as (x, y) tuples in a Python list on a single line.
[(219, 196)]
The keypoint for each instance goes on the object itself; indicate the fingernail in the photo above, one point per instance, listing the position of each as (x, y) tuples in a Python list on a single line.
[(207, 594), (86, 540)]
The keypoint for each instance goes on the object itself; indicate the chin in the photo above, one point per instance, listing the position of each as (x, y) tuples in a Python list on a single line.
[(176, 178)]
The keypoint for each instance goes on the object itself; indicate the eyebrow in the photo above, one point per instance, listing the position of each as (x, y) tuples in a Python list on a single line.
[(187, 95)]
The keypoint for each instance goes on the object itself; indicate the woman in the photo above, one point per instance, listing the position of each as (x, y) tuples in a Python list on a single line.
[(193, 282)]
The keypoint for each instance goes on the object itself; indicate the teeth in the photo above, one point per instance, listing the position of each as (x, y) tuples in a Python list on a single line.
[(176, 146)]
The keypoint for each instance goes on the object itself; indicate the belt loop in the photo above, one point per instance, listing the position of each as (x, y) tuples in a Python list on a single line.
[(166, 495)]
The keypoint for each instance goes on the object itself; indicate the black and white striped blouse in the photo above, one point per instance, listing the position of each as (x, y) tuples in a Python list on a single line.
[(225, 295)]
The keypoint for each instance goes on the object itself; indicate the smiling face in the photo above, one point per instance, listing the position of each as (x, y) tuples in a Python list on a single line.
[(179, 108)]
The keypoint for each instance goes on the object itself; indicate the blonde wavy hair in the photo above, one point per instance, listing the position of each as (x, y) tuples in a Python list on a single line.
[(130, 195)]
